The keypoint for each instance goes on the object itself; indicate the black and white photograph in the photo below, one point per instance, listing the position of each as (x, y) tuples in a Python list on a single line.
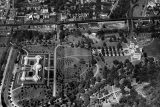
[(79, 53)]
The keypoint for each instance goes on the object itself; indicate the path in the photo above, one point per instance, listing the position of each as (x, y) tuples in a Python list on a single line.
[(55, 62), (73, 56), (114, 93), (109, 94), (97, 71)]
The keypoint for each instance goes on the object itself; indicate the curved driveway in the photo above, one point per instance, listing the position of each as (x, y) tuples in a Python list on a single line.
[(4, 74)]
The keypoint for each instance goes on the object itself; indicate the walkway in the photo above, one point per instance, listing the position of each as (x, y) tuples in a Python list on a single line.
[(97, 71)]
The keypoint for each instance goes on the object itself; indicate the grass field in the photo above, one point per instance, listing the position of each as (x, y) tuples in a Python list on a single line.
[(3, 40), (76, 52), (28, 94), (2, 50), (153, 49), (138, 10), (110, 60)]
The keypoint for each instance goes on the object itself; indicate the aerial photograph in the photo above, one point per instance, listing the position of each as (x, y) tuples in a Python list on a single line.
[(79, 53)]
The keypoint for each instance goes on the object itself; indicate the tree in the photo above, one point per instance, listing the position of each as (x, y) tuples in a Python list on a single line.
[(103, 51), (115, 62), (40, 36), (119, 46), (104, 44), (82, 90), (134, 1), (82, 61), (100, 34), (93, 80), (105, 73), (154, 92), (87, 84), (145, 54), (124, 40), (98, 79), (82, 84), (62, 35), (94, 61), (89, 74), (48, 36), (86, 100)]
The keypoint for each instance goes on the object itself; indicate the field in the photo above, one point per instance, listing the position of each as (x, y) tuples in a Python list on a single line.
[(31, 94), (153, 49), (2, 50), (110, 60), (3, 47), (138, 10), (39, 49), (69, 62)]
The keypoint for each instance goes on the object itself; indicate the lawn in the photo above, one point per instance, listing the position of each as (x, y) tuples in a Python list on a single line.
[(64, 63), (40, 49), (153, 49), (77, 52), (110, 60), (138, 10), (2, 50), (3, 40), (29, 93)]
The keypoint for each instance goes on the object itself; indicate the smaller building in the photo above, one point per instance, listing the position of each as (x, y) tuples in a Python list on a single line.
[(134, 51)]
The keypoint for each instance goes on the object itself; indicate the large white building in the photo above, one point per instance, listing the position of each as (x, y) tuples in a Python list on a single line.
[(34, 68)]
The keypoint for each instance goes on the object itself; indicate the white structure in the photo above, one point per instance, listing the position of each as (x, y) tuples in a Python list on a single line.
[(135, 57), (131, 51), (92, 36), (36, 67), (151, 4)]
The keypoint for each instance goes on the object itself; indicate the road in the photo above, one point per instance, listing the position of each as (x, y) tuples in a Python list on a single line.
[(84, 21), (54, 77), (97, 71), (49, 68), (4, 74), (9, 74)]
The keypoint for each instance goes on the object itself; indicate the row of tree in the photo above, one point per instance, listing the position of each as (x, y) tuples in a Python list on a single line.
[(22, 35)]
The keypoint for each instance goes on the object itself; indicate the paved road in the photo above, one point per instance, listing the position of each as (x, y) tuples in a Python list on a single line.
[(55, 61), (85, 21), (9, 68), (97, 71), (4, 74)]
